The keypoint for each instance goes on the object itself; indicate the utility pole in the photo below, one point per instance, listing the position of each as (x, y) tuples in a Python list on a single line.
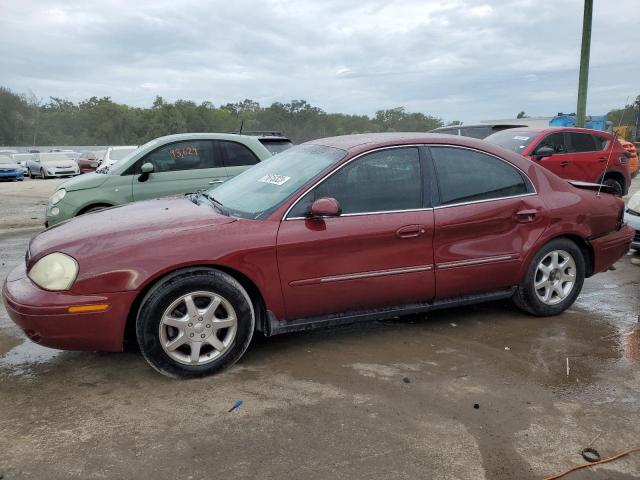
[(583, 80)]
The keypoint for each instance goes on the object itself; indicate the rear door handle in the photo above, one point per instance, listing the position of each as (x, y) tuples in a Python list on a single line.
[(410, 231), (564, 163), (526, 216), (602, 159)]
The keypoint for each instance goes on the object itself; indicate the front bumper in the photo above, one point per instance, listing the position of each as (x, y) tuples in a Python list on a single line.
[(633, 221), (11, 175), (610, 248), (45, 319)]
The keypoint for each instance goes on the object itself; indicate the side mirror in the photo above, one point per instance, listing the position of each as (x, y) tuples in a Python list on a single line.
[(146, 170), (325, 207), (543, 152)]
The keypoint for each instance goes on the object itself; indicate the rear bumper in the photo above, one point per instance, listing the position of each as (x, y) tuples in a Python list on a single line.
[(609, 248), (45, 319)]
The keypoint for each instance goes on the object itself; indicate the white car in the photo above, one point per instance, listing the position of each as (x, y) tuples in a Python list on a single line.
[(21, 159), (115, 154), (632, 218), (54, 164)]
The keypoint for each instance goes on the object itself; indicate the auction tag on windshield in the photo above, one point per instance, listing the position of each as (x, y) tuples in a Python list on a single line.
[(274, 179), (524, 139)]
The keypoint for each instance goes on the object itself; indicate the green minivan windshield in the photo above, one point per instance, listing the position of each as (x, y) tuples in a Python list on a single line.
[(256, 192)]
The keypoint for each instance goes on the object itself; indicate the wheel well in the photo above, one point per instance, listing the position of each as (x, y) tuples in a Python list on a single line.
[(585, 248), (259, 308), (616, 176), (93, 205)]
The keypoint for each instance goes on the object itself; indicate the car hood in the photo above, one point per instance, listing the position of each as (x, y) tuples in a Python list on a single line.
[(115, 228), (13, 166), (88, 180)]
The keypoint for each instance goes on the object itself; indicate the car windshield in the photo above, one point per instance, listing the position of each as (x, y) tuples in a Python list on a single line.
[(54, 157), (516, 141), (256, 192), (276, 146)]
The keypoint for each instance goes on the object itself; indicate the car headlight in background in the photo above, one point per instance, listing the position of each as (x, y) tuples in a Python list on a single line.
[(55, 271), (57, 196)]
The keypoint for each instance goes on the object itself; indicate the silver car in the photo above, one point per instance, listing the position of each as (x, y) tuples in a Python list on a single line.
[(55, 164)]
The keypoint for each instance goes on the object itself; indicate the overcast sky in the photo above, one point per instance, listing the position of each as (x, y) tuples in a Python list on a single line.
[(459, 59)]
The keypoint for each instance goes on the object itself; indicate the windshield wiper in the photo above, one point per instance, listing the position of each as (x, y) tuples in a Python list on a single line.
[(216, 204)]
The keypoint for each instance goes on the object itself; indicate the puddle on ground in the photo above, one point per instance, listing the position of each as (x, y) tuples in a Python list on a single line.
[(22, 358)]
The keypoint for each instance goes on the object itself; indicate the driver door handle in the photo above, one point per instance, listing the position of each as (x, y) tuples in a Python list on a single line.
[(525, 216), (217, 180), (564, 163), (410, 231)]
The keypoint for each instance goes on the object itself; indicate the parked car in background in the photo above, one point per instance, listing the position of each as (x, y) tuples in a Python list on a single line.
[(336, 230), (275, 142), (88, 161), (22, 159), (176, 164), (115, 154), (480, 130), (10, 169), (572, 153), (633, 156), (54, 164), (632, 218)]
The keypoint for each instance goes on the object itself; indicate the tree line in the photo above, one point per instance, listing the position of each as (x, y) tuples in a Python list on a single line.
[(25, 120)]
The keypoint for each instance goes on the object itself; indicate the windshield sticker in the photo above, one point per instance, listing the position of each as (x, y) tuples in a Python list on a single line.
[(524, 139), (274, 179)]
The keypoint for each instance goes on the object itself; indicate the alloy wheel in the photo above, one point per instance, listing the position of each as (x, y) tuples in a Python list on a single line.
[(198, 328), (555, 277)]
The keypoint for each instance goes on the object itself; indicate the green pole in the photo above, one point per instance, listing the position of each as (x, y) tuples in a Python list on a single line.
[(583, 80)]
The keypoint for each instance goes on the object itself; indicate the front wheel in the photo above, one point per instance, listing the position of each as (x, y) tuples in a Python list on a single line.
[(195, 324), (42, 175), (553, 280), (615, 185)]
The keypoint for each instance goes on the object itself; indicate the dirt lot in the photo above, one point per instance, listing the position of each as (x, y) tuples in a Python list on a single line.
[(394, 399)]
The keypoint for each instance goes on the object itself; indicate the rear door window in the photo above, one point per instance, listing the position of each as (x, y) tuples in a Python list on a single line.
[(581, 142), (237, 155), (468, 176)]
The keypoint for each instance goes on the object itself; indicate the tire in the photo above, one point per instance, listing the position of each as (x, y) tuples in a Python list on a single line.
[(169, 347), (42, 175), (29, 173), (615, 184), (561, 297)]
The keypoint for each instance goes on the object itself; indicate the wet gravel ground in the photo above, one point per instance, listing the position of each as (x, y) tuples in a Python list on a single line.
[(392, 399)]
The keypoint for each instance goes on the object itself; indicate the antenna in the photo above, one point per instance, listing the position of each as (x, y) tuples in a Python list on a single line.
[(241, 125), (606, 166)]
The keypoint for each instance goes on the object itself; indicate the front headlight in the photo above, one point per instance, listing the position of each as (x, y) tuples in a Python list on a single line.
[(634, 203), (57, 196), (55, 271)]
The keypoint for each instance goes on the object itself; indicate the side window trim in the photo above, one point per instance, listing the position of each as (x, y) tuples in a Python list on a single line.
[(340, 167), (531, 189)]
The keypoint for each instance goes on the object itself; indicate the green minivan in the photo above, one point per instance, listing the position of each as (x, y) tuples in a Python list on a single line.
[(171, 165)]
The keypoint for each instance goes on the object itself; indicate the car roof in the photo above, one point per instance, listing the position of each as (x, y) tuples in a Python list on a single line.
[(206, 136), (558, 129), (366, 141), (478, 125)]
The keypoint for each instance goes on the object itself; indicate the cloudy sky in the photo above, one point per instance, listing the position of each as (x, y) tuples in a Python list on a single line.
[(456, 59)]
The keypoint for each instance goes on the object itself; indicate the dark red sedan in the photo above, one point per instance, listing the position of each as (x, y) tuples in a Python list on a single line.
[(335, 230)]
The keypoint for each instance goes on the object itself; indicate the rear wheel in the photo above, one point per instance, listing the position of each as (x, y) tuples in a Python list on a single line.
[(195, 324), (553, 280), (42, 174), (615, 184)]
